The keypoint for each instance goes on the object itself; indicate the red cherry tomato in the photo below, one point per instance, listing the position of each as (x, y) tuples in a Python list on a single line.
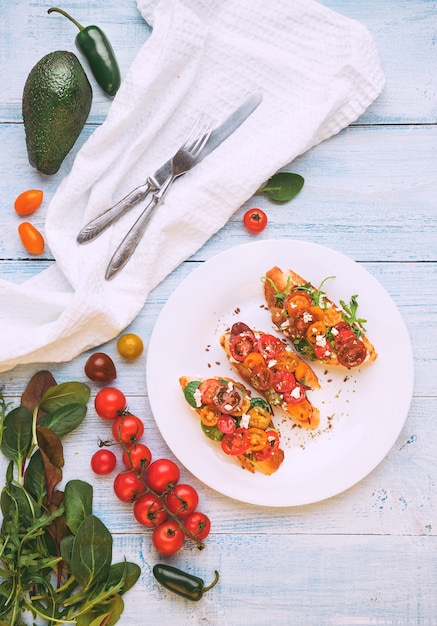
[(28, 201), (148, 511), (182, 500), (236, 443), (109, 403), (128, 486), (168, 538), (138, 457), (255, 220), (198, 524), (103, 462), (127, 429), (31, 238), (161, 474), (100, 368)]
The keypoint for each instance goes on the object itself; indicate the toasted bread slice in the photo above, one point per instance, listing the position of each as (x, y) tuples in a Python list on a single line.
[(242, 425), (317, 327), (267, 363)]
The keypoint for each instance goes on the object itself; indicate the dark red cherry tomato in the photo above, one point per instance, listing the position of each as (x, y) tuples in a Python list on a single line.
[(255, 220), (100, 368)]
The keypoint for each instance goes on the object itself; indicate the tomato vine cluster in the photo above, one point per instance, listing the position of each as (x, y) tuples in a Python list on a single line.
[(160, 502)]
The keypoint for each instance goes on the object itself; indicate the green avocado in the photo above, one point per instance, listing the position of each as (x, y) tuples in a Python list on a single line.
[(56, 102)]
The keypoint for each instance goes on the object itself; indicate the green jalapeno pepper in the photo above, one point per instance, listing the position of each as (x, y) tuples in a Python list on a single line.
[(180, 582), (92, 41)]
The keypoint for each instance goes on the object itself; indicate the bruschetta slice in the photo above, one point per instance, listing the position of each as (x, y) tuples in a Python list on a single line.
[(268, 364), (240, 424), (316, 327)]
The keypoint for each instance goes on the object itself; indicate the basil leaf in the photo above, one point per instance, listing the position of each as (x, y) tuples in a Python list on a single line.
[(212, 432), (189, 392), (64, 419), (91, 554), (261, 403), (78, 502), (63, 394), (17, 434), (282, 186)]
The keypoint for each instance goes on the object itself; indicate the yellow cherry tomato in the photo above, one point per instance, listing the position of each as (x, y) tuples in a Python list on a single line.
[(130, 346), (31, 238), (28, 201)]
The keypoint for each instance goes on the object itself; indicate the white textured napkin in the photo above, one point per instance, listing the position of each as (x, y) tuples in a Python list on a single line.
[(318, 71)]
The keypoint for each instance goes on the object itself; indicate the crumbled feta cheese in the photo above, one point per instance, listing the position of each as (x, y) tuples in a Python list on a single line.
[(307, 317), (285, 324), (228, 407), (197, 397), (295, 393), (272, 363), (321, 340), (334, 331), (244, 421)]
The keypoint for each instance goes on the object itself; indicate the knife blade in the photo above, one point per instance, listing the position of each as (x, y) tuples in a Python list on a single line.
[(153, 183), (130, 242)]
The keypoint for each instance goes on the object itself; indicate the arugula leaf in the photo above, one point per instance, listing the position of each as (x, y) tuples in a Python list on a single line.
[(350, 315)]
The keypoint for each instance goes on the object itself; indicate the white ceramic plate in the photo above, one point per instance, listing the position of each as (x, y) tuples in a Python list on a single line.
[(362, 411)]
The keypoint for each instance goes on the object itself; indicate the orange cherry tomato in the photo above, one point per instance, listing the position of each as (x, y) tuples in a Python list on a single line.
[(31, 238), (130, 346), (28, 201)]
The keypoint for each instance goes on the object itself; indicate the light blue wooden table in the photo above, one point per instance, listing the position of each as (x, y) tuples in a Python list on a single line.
[(367, 556)]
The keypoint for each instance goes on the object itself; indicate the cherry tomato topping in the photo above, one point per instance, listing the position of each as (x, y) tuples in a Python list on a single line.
[(198, 524), (28, 201), (261, 377), (296, 299), (31, 238), (316, 330), (271, 446), (323, 352), (297, 394), (255, 220), (148, 511), (229, 399), (209, 415), (343, 337), (269, 346), (253, 360), (241, 345), (128, 429), (283, 381), (259, 417), (130, 346), (257, 439), (237, 442), (109, 403), (138, 457), (162, 474), (100, 368), (103, 462), (182, 500), (168, 537), (226, 424), (208, 389), (352, 353)]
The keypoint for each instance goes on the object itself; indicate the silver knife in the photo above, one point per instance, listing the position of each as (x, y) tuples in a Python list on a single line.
[(154, 182)]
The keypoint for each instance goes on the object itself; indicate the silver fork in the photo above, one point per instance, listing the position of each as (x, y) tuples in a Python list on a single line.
[(184, 159)]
